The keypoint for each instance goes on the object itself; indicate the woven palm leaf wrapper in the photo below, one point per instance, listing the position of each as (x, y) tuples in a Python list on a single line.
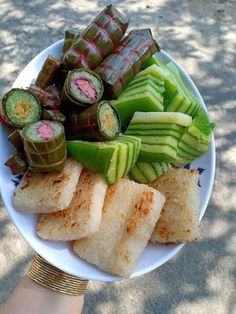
[(126, 60), (72, 94), (69, 39), (97, 41), (45, 154), (48, 98), (47, 73), (98, 122)]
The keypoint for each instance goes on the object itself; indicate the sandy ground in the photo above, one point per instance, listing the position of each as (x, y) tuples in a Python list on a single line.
[(201, 36)]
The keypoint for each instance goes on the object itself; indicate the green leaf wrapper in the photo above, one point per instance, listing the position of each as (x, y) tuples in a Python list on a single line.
[(16, 163), (73, 94), (54, 115), (49, 98), (126, 60), (60, 77), (47, 74), (45, 154), (16, 140), (20, 107), (96, 123), (70, 37), (97, 41)]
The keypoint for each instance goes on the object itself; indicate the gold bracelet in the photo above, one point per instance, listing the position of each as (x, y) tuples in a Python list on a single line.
[(55, 279)]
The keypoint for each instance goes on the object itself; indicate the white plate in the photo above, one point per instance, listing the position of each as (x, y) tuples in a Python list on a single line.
[(59, 254)]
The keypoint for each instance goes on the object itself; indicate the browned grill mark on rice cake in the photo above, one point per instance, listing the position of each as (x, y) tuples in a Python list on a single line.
[(140, 211), (109, 195)]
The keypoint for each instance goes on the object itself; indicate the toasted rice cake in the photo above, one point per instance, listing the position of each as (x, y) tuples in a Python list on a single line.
[(82, 218), (179, 219), (130, 213), (47, 192)]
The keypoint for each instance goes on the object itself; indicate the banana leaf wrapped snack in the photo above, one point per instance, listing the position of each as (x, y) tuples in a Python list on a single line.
[(54, 115), (20, 107), (49, 98), (97, 41), (70, 37), (118, 69), (60, 77), (82, 88), (16, 140), (98, 122), (45, 146), (48, 72), (16, 162), (54, 90)]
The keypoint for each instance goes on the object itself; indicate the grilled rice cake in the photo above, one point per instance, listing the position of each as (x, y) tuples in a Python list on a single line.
[(82, 218), (179, 219), (47, 192), (130, 213)]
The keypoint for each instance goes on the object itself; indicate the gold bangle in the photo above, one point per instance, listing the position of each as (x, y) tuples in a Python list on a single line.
[(55, 279)]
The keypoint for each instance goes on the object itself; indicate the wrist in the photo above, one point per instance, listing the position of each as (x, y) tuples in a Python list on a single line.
[(55, 279)]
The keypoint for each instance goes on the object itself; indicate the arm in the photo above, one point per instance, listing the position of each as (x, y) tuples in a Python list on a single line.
[(46, 290), (30, 297)]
